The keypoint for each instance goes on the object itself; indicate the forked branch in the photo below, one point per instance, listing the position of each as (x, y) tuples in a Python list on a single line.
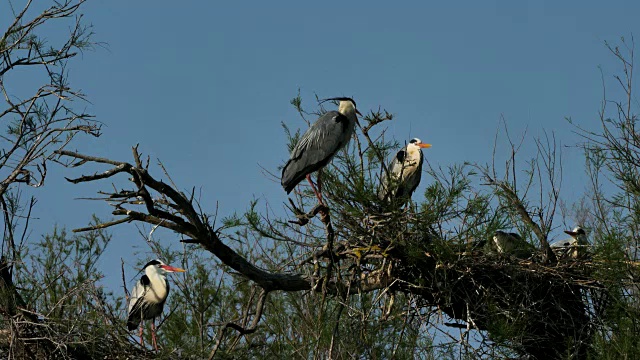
[(171, 209)]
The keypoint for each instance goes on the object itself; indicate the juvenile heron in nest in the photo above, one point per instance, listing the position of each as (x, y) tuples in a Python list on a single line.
[(405, 172), (148, 297), (330, 133), (510, 244), (575, 246)]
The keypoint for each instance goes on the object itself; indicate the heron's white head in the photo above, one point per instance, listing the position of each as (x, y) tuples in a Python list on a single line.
[(579, 235), (160, 268), (346, 107), (578, 243), (577, 232), (416, 144)]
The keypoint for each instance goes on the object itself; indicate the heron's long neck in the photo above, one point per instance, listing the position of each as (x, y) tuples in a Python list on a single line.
[(347, 109), (158, 283), (581, 239), (413, 153)]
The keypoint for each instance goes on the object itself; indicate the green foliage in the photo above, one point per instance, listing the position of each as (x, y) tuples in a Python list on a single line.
[(58, 279), (61, 262)]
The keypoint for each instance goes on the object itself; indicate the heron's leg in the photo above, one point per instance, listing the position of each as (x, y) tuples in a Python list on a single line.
[(319, 182), (140, 333), (153, 334), (318, 195)]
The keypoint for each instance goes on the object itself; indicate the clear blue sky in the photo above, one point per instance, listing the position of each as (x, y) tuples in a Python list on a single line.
[(204, 86)]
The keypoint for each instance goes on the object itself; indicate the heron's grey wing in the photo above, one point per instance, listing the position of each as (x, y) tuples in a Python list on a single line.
[(562, 243), (138, 291), (412, 179), (583, 241), (515, 235), (136, 302), (331, 132), (394, 168)]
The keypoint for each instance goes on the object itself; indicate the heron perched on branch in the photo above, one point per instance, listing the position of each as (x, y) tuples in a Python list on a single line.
[(405, 172), (330, 133), (575, 246), (148, 297)]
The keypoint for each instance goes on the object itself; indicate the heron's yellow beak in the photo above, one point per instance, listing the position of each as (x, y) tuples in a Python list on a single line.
[(424, 146), (172, 269)]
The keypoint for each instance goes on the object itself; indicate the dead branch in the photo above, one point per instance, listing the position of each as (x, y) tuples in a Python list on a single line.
[(185, 220)]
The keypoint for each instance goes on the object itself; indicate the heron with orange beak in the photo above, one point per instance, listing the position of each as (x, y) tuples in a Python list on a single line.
[(404, 173), (315, 149), (148, 297), (576, 246)]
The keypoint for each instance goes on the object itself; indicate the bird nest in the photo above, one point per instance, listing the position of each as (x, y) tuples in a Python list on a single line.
[(542, 309)]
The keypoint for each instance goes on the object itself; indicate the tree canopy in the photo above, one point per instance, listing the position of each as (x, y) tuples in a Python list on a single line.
[(355, 277)]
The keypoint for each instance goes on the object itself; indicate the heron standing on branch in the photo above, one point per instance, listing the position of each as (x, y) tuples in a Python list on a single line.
[(405, 172), (148, 297), (330, 133)]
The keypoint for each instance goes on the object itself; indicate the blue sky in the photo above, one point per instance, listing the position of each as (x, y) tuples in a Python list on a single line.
[(204, 87)]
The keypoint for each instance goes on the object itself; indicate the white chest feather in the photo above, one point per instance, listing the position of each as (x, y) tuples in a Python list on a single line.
[(411, 161), (157, 290)]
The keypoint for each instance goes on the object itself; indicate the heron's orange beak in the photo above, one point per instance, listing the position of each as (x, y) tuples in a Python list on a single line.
[(424, 146), (571, 233), (358, 112), (172, 269)]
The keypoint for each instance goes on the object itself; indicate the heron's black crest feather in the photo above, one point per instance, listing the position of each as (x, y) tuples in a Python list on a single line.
[(151, 263), (338, 99)]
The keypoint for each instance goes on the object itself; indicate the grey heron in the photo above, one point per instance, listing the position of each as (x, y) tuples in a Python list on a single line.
[(330, 133), (575, 246), (510, 244), (405, 171), (148, 297)]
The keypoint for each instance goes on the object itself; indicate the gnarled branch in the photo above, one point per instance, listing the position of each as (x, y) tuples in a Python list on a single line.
[(177, 212)]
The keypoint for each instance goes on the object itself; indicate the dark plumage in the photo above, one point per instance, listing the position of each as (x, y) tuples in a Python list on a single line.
[(330, 133), (505, 243)]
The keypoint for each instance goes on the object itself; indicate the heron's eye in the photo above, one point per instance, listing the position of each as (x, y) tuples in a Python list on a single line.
[(413, 141)]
